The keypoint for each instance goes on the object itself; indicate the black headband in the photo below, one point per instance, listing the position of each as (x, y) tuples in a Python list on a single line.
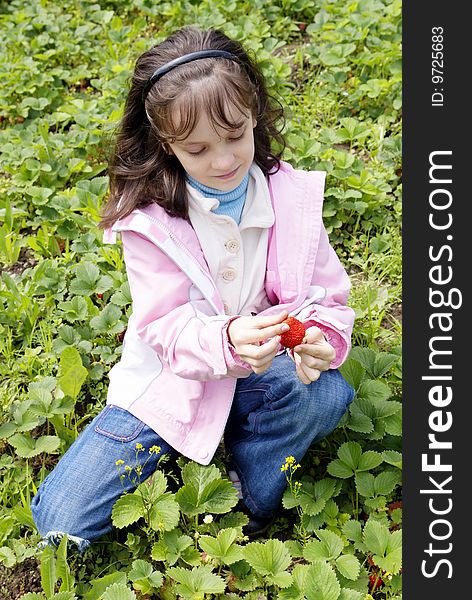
[(182, 60)]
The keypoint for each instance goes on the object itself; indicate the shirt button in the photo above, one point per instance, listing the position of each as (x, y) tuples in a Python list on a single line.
[(229, 274), (233, 246)]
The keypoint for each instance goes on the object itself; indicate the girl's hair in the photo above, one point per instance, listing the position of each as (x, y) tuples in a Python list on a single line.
[(140, 168)]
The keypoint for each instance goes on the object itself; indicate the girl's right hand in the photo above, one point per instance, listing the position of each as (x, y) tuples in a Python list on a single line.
[(256, 339)]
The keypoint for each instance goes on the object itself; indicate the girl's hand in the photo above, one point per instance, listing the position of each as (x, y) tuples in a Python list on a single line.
[(255, 339), (313, 356)]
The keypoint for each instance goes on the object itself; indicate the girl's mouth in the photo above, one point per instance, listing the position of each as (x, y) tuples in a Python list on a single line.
[(228, 175)]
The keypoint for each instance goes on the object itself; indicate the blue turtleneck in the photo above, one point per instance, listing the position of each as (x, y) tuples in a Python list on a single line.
[(230, 203)]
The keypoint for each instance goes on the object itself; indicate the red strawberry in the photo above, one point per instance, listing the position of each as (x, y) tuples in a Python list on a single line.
[(373, 579), (294, 335)]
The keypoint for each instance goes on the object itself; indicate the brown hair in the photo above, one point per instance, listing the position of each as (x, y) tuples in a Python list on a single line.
[(141, 170)]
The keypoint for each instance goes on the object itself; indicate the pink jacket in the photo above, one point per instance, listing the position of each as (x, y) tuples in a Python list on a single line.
[(177, 372)]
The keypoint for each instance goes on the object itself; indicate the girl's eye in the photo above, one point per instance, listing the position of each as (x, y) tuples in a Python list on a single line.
[(197, 152), (235, 139)]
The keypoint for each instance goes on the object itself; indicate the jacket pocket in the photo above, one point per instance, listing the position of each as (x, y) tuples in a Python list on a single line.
[(118, 424)]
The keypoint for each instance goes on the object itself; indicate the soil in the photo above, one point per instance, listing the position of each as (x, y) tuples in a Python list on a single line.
[(21, 578), (25, 261)]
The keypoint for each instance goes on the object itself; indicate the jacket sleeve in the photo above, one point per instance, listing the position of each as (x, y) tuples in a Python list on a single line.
[(173, 318), (331, 314)]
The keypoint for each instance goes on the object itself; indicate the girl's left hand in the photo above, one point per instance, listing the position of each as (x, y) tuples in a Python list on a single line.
[(314, 355)]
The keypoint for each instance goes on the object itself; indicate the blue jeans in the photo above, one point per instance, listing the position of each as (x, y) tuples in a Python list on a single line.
[(273, 415)]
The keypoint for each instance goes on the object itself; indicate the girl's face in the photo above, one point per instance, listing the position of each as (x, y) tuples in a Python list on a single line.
[(218, 158)]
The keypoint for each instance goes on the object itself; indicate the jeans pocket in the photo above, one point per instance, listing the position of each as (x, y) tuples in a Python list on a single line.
[(118, 424)]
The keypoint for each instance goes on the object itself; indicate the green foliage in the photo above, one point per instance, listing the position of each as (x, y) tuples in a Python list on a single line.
[(204, 491), (65, 300)]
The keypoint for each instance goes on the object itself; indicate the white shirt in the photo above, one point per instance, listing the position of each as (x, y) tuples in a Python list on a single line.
[(236, 255)]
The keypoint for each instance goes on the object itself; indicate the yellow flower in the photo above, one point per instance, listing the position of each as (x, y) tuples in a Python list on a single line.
[(139, 447), (154, 449), (119, 462), (128, 469)]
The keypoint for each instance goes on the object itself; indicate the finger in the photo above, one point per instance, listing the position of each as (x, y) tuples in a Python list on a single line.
[(314, 335), (261, 368), (301, 375), (265, 333), (315, 363), (268, 320), (322, 351), (310, 374), (255, 354)]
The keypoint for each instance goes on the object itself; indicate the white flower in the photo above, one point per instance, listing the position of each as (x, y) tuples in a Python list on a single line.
[(208, 519)]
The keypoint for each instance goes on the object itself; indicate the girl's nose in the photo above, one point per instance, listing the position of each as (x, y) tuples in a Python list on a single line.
[(223, 160)]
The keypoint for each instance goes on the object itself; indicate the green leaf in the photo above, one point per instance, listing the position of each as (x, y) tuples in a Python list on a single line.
[(349, 566), (62, 567), (365, 484), (269, 558), (7, 429), (154, 487), (126, 510), (359, 418), (386, 482), (376, 536), (222, 547), (337, 468), (164, 513), (383, 363), (75, 309), (296, 590), (281, 580), (109, 320), (101, 584), (348, 594), (393, 423), (353, 372), (392, 457), (373, 391), (350, 453), (27, 447), (392, 558), (144, 579), (118, 591), (48, 571), (332, 542), (87, 275), (369, 460), (315, 550), (204, 491), (321, 582), (353, 531), (7, 556), (200, 580), (140, 569), (171, 547), (72, 373)]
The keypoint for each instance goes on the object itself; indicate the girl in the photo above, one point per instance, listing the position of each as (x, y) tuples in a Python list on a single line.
[(222, 241)]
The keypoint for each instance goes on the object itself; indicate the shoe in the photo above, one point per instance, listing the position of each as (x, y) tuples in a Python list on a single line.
[(256, 526)]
